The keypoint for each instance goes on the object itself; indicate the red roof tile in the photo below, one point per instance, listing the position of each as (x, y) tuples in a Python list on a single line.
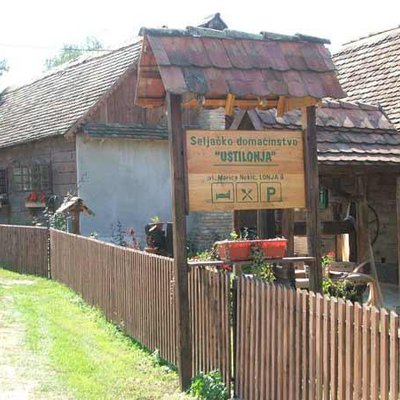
[(215, 63)]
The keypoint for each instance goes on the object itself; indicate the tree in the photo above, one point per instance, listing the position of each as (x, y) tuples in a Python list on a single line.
[(71, 52), (3, 66)]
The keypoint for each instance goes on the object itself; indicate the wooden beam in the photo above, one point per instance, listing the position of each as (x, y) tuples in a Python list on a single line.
[(312, 196), (177, 160), (362, 229), (288, 230), (281, 107), (398, 224), (244, 104), (229, 104), (328, 228), (300, 102)]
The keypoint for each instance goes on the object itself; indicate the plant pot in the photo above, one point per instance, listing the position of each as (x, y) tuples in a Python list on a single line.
[(272, 248), (236, 250), (35, 204)]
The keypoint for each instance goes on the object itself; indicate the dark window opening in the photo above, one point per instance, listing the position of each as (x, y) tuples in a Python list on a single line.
[(35, 178), (3, 181)]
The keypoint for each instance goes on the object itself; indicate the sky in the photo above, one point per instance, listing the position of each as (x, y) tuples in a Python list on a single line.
[(32, 31)]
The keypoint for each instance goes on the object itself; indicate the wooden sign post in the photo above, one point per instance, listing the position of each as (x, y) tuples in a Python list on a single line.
[(177, 159), (312, 185)]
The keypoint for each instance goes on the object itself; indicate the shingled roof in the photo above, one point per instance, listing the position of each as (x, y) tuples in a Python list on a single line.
[(213, 64), (52, 105), (347, 133), (369, 71)]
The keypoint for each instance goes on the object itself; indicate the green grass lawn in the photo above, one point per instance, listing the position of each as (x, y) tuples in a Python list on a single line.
[(67, 350)]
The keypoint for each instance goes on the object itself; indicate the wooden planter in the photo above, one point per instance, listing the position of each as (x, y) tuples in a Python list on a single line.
[(35, 204), (240, 250)]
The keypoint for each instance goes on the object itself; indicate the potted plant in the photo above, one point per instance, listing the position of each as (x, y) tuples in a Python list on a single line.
[(155, 237), (239, 248), (35, 200)]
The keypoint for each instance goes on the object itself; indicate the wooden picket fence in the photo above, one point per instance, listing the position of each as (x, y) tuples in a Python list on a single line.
[(287, 344), (24, 249), (298, 345), (135, 290)]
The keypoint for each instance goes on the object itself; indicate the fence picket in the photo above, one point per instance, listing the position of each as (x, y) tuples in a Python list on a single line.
[(288, 344)]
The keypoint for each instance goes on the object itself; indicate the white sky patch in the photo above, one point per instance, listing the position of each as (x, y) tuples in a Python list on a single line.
[(32, 31)]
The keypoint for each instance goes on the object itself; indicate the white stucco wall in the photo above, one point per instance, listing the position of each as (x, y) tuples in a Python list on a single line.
[(123, 179)]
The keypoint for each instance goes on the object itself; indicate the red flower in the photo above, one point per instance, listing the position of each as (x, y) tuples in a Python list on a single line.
[(32, 197)]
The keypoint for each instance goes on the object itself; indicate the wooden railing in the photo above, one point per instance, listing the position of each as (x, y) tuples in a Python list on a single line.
[(298, 345), (136, 290), (287, 344), (24, 249)]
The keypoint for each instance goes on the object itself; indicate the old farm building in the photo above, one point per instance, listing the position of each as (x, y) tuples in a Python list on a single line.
[(77, 129)]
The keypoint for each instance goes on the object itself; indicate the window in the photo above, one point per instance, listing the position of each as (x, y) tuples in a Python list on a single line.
[(3, 181), (35, 178)]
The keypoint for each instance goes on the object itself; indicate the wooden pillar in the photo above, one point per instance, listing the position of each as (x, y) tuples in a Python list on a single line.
[(75, 221), (362, 230), (177, 160), (398, 225), (312, 196), (288, 230)]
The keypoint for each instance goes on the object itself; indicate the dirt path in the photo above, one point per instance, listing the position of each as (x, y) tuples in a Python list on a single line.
[(23, 374)]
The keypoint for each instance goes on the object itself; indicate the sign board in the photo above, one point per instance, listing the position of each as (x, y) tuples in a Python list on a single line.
[(245, 170)]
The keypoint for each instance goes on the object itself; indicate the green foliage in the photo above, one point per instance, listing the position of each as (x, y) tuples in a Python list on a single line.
[(341, 288), (326, 259), (209, 386), (205, 255), (155, 220), (118, 234), (258, 267), (72, 51)]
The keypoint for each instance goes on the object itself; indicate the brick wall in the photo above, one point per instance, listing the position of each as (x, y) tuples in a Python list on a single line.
[(207, 227)]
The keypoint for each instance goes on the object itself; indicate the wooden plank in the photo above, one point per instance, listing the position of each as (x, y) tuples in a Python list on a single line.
[(366, 355), (349, 349), (334, 348), (288, 230), (305, 346), (384, 355), (319, 345), (374, 353), (245, 170), (281, 107), (357, 359), (312, 345), (341, 349), (292, 345), (394, 356), (176, 142), (312, 197), (298, 347), (230, 104), (327, 227), (326, 348)]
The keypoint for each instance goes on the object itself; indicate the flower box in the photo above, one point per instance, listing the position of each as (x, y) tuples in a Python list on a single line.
[(235, 250), (35, 204), (240, 250), (272, 248)]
